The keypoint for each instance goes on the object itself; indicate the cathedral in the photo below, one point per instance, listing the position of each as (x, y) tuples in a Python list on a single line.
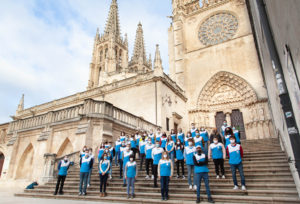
[(215, 74)]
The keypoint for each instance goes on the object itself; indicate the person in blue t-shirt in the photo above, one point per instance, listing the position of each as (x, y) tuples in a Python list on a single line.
[(170, 148), (103, 169), (152, 136), (163, 141), (179, 158), (126, 157), (63, 167), (201, 172), (142, 145), (90, 172), (149, 161), (122, 149), (205, 137), (133, 145), (193, 130), (173, 135), (186, 139), (227, 134), (180, 135), (165, 172), (86, 164), (82, 153), (189, 151), (118, 145), (131, 172), (101, 151), (156, 156), (217, 152), (236, 133), (235, 155)]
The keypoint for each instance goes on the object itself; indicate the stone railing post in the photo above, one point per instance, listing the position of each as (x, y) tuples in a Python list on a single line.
[(49, 166)]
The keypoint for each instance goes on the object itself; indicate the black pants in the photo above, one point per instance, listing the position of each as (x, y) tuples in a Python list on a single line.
[(219, 163), (61, 181), (142, 158), (103, 181), (155, 174), (121, 167), (148, 163), (164, 185), (134, 152), (180, 162)]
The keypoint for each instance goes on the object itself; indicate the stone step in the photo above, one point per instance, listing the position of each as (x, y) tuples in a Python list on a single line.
[(182, 185), (178, 198)]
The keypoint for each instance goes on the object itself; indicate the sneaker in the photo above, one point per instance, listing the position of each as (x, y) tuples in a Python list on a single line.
[(61, 193), (177, 176), (54, 193), (195, 187), (235, 188), (128, 196), (132, 196), (217, 177), (124, 185), (210, 200), (198, 200), (110, 177), (101, 194), (79, 193), (244, 188), (152, 177), (84, 194), (183, 177), (147, 177), (162, 198), (191, 187), (223, 177), (88, 185)]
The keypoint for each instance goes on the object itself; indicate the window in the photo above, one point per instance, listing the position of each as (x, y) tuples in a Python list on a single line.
[(167, 124)]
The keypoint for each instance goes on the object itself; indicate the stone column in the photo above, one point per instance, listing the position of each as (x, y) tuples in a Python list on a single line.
[(49, 166)]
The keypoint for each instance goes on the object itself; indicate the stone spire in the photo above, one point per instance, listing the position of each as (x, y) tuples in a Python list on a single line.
[(150, 61), (113, 23), (139, 53), (20, 106), (157, 59)]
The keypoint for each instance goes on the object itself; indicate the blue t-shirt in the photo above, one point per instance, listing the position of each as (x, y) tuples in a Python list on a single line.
[(163, 142), (148, 149), (142, 147), (204, 135), (193, 132), (234, 154), (200, 169), (63, 170), (165, 167), (179, 153), (170, 145), (131, 169), (156, 155), (216, 150), (105, 164), (174, 138), (189, 154), (85, 164), (180, 136)]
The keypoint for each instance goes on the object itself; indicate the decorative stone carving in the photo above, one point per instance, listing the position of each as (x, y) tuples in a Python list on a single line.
[(49, 167), (166, 99), (218, 28)]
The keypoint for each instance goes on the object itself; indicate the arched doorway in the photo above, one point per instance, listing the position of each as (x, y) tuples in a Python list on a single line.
[(2, 157), (25, 166), (65, 148)]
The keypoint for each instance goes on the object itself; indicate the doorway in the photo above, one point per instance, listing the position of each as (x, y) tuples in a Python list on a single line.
[(237, 121), (1, 162), (220, 117)]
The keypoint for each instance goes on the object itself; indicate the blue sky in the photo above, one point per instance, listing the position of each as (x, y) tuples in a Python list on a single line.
[(46, 45)]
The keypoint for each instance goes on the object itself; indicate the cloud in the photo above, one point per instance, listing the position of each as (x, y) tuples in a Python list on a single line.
[(46, 46)]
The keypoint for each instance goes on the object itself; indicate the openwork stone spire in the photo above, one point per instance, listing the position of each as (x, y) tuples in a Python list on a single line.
[(157, 59), (139, 53), (113, 23)]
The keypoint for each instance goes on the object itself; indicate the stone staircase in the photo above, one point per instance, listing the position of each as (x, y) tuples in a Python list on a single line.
[(267, 173)]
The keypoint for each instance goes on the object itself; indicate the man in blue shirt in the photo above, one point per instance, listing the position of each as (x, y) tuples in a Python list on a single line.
[(86, 163), (62, 168)]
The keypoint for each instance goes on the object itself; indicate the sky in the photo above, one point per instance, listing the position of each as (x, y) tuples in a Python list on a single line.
[(46, 45)]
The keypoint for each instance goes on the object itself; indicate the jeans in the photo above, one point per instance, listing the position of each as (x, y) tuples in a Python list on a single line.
[(89, 177), (121, 167), (103, 181), (219, 163), (110, 169), (117, 157), (164, 184), (206, 147), (190, 171), (130, 184), (148, 163), (142, 158), (233, 171), (155, 174), (61, 181), (199, 177), (83, 181), (172, 157), (181, 162)]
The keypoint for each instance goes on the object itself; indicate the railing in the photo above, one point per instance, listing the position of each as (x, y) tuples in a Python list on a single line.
[(89, 108)]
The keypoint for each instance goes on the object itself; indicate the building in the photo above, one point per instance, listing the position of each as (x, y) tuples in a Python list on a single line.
[(277, 36)]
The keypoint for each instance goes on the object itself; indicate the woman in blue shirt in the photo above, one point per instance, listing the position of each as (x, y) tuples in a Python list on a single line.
[(103, 167), (165, 172), (179, 150), (131, 172), (173, 135), (170, 148), (188, 157)]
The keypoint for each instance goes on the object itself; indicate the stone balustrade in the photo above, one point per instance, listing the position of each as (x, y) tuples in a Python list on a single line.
[(89, 108), (192, 6)]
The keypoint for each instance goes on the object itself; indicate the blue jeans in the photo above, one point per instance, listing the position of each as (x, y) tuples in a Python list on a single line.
[(121, 167), (89, 177), (190, 171), (83, 181), (130, 183), (172, 157), (205, 148), (199, 177), (124, 180), (164, 185), (117, 157), (233, 171)]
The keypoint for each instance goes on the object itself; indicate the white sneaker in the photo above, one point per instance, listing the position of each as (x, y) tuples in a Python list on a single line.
[(147, 177), (88, 185), (223, 177), (244, 188), (183, 177), (191, 187), (217, 176), (110, 177), (235, 188), (195, 187), (152, 177)]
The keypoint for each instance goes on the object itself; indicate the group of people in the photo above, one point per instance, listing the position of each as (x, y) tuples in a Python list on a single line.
[(161, 152)]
